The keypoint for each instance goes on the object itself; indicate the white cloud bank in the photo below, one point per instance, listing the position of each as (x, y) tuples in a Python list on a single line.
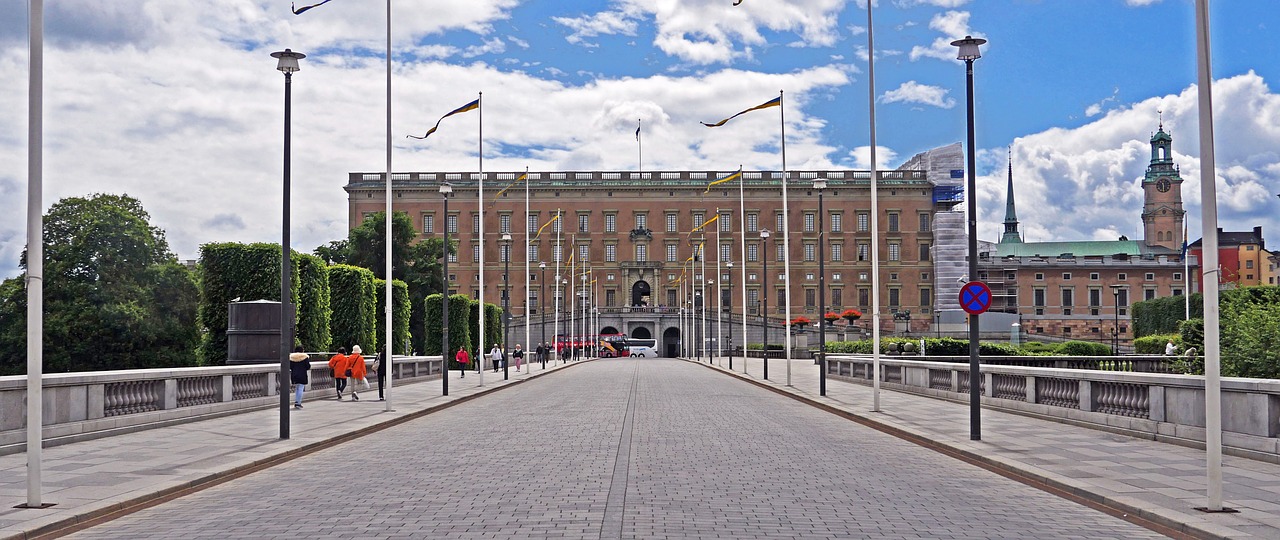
[(914, 92)]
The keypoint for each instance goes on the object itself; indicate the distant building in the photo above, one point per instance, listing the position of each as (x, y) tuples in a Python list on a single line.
[(1242, 258), (1083, 289), (1272, 274)]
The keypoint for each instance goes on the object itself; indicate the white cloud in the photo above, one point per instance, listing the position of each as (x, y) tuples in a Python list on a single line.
[(914, 92), (1138, 3), (1084, 183), (1096, 108), (953, 25), (885, 157), (935, 3), (603, 23)]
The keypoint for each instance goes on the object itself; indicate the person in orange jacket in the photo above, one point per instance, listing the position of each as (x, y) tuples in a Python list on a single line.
[(358, 371), (338, 364)]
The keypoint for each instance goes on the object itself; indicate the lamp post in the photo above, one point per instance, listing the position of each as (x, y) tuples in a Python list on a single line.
[(706, 331), (764, 293), (542, 303), (1115, 330), (821, 185), (969, 52), (287, 63), (729, 343), (569, 325), (506, 303), (445, 348)]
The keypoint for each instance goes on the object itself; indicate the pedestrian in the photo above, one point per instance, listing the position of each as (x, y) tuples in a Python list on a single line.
[(338, 365), (380, 367), (495, 356), (463, 359), (299, 369), (1170, 349), (539, 354), (357, 371), (518, 354)]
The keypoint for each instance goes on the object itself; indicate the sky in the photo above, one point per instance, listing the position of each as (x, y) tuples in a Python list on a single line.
[(179, 103)]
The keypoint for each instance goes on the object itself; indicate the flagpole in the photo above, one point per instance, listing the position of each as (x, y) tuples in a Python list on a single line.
[(35, 255), (1208, 225), (742, 218), (527, 318), (702, 283), (1186, 272), (390, 368), (573, 295), (480, 230), (719, 297), (786, 231), (875, 222), (640, 148), (559, 256)]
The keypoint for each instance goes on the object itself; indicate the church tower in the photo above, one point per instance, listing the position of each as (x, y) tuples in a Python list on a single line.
[(1162, 213), (1011, 235)]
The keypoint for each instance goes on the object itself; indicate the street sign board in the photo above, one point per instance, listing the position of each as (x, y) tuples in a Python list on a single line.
[(975, 297)]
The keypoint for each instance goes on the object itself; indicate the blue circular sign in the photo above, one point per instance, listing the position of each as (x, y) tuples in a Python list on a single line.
[(975, 297)]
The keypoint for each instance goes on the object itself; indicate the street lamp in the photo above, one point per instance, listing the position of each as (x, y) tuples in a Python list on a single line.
[(569, 325), (969, 52), (446, 349), (729, 343), (506, 304), (764, 290), (706, 333), (820, 185), (542, 306), (287, 63), (1115, 330)]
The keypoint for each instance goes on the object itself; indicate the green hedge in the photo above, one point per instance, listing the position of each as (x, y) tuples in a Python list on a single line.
[(354, 304), (492, 325), (1162, 315), (399, 317), (932, 347), (459, 328), (1155, 344), (314, 312), (229, 271), (1083, 348)]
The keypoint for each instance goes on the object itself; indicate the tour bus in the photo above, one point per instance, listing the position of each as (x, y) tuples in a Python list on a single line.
[(642, 348), (613, 345)]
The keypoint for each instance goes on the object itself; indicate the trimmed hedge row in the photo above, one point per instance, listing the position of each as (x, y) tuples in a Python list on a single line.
[(354, 303), (960, 347), (232, 270), (1155, 344), (1162, 315), (314, 312)]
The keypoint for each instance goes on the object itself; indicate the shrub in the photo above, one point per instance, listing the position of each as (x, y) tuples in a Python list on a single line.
[(1083, 348), (399, 316), (314, 312), (354, 303), (229, 271), (1155, 344), (1162, 315)]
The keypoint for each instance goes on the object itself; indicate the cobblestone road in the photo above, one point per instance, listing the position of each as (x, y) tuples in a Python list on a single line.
[(623, 449)]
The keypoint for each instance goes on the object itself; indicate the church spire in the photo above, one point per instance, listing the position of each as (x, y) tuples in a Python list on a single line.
[(1011, 235)]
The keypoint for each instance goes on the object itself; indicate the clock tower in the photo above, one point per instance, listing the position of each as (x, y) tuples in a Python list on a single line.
[(1162, 213)]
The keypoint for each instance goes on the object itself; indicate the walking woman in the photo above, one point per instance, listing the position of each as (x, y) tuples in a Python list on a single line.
[(299, 369), (338, 365), (357, 370), (463, 359)]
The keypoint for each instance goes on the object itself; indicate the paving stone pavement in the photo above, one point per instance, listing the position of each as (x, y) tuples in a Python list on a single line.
[(1160, 481), (623, 449)]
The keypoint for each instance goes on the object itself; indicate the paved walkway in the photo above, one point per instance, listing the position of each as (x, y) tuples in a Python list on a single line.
[(624, 449), (90, 478), (1159, 481)]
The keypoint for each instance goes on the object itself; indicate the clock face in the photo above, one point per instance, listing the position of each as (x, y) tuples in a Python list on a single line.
[(1163, 185)]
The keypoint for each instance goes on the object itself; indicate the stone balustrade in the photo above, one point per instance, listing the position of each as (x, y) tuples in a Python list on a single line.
[(80, 406), (1159, 406)]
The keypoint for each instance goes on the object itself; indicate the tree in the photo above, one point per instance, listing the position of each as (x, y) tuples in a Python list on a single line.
[(335, 252), (114, 296)]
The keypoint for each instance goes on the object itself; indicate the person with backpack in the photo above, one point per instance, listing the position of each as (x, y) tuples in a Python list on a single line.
[(518, 354), (338, 365), (299, 369)]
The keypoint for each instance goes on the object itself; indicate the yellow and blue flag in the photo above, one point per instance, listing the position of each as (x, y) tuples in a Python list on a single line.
[(523, 176), (300, 10), (771, 103), (730, 178), (468, 107)]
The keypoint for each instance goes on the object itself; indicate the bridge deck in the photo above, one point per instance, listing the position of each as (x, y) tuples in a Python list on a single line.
[(634, 448)]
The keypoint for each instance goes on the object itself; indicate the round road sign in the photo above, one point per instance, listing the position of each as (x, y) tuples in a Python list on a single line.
[(975, 297)]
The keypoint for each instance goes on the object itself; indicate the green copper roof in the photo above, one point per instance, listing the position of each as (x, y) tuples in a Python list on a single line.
[(1077, 249)]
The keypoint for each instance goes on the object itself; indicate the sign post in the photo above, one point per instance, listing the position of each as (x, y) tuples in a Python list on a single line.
[(975, 298)]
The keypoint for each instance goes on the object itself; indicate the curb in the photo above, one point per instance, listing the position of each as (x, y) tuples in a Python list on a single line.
[(1044, 481), (97, 516)]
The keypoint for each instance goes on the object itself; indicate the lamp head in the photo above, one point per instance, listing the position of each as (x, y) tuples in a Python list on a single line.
[(820, 184), (729, 264), (287, 61), (969, 48), (446, 189), (764, 234), (542, 265), (506, 238)]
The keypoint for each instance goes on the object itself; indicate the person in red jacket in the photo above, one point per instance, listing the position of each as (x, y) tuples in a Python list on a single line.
[(463, 359), (358, 371), (338, 370)]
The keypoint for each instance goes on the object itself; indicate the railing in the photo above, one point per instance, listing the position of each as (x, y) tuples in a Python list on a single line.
[(1126, 363), (84, 405), (1162, 406)]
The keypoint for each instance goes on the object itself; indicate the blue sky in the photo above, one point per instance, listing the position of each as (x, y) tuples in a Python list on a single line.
[(178, 103)]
